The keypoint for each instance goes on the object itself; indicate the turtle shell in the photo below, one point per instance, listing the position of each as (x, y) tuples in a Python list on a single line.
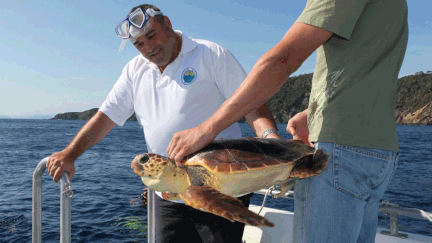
[(248, 154)]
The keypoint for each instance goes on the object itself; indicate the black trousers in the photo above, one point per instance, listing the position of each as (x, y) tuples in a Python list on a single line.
[(176, 222)]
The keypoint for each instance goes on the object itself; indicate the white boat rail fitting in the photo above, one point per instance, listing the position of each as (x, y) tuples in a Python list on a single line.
[(389, 209), (65, 205)]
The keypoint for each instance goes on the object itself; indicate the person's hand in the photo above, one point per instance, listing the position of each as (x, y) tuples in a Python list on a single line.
[(187, 142), (144, 196), (298, 128), (58, 163)]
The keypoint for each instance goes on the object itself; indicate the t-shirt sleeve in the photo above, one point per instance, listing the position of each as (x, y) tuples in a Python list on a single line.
[(118, 105), (337, 16), (228, 74)]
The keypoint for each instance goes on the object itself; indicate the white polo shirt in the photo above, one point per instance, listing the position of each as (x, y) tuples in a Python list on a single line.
[(186, 94)]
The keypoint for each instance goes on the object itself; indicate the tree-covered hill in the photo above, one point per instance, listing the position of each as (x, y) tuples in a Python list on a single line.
[(413, 107), (85, 115), (414, 100)]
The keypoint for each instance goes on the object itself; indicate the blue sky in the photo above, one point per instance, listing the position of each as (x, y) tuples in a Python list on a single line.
[(62, 56)]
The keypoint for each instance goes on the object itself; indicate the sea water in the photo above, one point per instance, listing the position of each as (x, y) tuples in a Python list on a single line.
[(104, 183)]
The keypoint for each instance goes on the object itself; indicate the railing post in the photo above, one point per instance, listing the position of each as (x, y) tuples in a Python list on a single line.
[(65, 205), (151, 216), (394, 227), (65, 208)]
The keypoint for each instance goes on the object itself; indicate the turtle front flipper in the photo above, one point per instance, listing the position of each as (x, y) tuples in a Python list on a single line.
[(208, 199), (170, 196)]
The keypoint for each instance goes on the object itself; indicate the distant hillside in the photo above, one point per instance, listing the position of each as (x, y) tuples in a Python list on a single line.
[(414, 100), (292, 98), (85, 115), (27, 117), (413, 107)]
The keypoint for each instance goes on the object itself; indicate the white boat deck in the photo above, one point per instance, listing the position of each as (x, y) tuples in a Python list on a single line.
[(282, 232)]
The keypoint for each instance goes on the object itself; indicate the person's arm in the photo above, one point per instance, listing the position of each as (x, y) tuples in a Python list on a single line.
[(89, 135), (265, 79), (260, 120)]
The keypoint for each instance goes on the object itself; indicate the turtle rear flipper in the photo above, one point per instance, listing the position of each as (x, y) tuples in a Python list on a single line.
[(310, 165), (207, 199), (285, 186)]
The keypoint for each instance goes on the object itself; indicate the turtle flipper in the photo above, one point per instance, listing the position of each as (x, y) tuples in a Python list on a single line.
[(285, 186), (310, 165), (170, 196), (207, 199)]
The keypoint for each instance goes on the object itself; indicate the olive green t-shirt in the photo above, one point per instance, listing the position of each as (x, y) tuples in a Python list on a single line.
[(353, 97)]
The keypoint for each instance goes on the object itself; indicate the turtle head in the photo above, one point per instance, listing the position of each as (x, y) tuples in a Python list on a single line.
[(159, 173)]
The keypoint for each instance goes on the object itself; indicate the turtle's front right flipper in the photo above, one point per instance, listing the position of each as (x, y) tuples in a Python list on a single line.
[(170, 196), (207, 199)]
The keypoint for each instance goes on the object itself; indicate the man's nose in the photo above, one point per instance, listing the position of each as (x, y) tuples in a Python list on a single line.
[(149, 46)]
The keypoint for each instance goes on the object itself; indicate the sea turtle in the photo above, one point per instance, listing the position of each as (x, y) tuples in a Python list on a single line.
[(215, 175)]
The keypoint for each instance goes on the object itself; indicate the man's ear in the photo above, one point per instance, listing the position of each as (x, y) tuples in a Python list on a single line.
[(167, 22)]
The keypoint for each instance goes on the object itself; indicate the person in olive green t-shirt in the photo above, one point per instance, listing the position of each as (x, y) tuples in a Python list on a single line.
[(351, 115), (353, 98)]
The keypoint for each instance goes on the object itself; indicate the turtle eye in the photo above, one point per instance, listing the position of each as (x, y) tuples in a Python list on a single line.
[(144, 159)]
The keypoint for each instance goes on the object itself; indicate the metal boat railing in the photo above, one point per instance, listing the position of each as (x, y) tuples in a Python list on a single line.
[(393, 210), (65, 205), (151, 234), (389, 209)]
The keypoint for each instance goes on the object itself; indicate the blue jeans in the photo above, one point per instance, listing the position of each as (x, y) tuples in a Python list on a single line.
[(341, 204)]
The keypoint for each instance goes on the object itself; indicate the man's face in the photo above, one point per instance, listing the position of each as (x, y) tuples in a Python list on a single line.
[(156, 43)]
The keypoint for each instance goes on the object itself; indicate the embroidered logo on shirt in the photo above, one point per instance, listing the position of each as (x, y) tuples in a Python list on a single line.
[(189, 75)]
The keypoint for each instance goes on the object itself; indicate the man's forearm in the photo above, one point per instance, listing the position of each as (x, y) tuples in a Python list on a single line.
[(260, 120), (90, 134), (260, 85), (268, 75)]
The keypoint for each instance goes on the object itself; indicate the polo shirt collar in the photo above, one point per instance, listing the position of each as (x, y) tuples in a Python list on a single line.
[(187, 43)]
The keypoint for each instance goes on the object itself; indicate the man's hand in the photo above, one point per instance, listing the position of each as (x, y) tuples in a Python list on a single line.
[(298, 128), (90, 134), (58, 163), (144, 196), (187, 142)]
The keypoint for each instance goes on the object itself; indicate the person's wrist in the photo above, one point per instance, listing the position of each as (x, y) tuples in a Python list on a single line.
[(269, 131), (274, 135), (69, 154), (209, 129)]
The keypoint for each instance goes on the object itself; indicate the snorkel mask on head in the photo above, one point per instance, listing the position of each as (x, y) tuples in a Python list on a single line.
[(134, 25)]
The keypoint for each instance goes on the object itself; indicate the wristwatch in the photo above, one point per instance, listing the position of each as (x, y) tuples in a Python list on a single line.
[(268, 131)]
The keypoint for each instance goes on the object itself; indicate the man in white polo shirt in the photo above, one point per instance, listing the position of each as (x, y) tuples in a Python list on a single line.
[(176, 83)]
